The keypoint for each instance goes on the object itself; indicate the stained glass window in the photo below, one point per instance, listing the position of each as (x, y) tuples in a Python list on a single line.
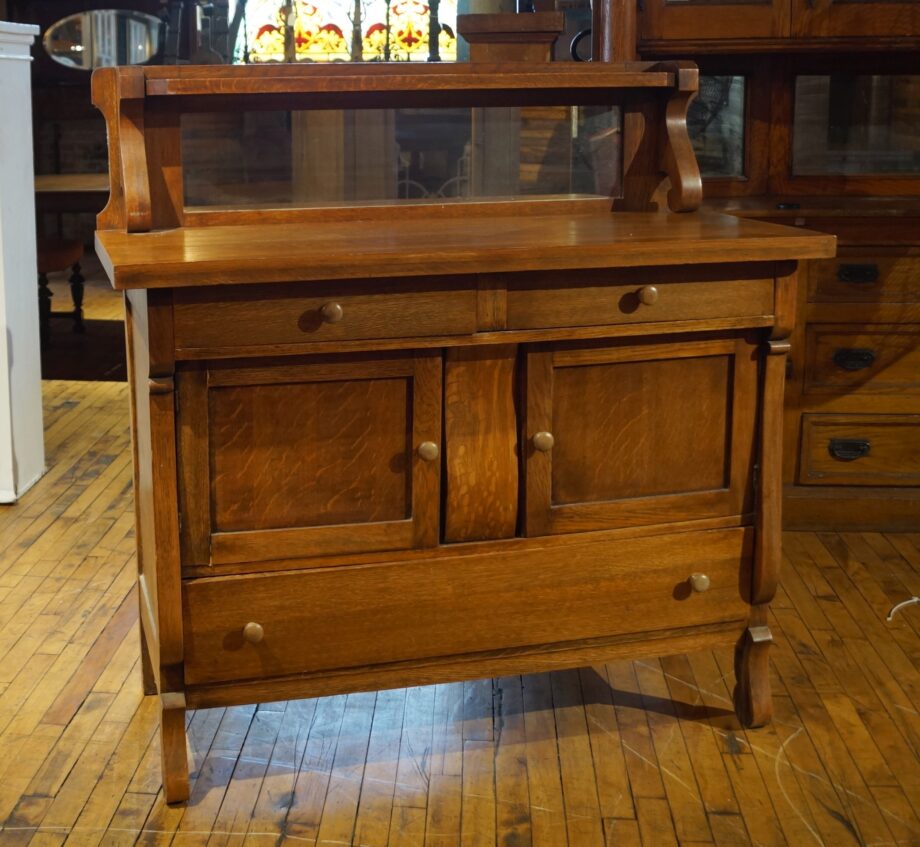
[(346, 31)]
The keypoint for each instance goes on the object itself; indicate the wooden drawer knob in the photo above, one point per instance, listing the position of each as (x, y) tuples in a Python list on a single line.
[(428, 450), (648, 295), (543, 441), (253, 632), (699, 582), (332, 313)]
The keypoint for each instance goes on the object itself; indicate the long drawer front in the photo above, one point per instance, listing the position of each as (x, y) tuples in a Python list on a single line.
[(246, 315), (870, 358), (596, 298), (415, 610), (860, 450), (876, 279)]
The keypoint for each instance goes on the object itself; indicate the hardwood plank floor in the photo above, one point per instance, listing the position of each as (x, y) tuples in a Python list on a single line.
[(629, 753), (632, 753)]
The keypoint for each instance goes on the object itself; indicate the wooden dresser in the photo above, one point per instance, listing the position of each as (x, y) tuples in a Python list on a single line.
[(389, 445)]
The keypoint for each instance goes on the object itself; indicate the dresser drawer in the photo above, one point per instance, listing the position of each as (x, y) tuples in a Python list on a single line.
[(877, 279), (634, 296), (419, 609), (860, 450), (870, 358), (242, 316)]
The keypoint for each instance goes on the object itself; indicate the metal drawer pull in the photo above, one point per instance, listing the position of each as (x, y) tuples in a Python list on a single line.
[(648, 295), (428, 451), (253, 632), (543, 441), (332, 313), (700, 582), (848, 449), (858, 274), (854, 358)]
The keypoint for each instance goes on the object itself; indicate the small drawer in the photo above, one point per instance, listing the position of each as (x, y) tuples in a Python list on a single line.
[(246, 315), (860, 450), (870, 358), (250, 627), (597, 298), (876, 279)]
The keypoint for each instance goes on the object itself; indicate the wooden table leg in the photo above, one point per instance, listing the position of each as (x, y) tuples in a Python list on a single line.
[(76, 294), (173, 747)]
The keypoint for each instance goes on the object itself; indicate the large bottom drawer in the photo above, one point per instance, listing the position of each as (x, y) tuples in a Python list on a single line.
[(368, 615), (860, 450)]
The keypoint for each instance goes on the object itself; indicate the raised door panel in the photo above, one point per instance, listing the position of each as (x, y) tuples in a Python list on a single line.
[(628, 435), (312, 458), (855, 18), (696, 20)]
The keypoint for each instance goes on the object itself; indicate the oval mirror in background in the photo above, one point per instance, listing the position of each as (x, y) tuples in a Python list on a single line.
[(103, 37)]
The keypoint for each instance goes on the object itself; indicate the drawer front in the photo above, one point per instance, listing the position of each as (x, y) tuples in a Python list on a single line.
[(877, 279), (415, 610), (243, 316), (872, 358), (860, 450), (621, 297)]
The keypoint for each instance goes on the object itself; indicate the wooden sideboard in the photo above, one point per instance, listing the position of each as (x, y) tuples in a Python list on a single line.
[(388, 445)]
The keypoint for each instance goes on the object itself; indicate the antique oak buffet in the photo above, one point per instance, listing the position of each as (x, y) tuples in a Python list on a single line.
[(387, 445)]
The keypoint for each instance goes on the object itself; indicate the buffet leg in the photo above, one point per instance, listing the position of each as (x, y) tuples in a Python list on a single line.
[(148, 679), (753, 701), (172, 747)]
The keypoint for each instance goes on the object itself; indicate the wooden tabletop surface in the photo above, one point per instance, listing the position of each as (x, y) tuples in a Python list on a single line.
[(281, 252)]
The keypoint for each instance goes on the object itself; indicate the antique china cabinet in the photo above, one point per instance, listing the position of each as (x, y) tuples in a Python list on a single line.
[(383, 441), (809, 114)]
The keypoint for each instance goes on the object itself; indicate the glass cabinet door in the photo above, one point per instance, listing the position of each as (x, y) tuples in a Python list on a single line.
[(856, 124), (693, 20)]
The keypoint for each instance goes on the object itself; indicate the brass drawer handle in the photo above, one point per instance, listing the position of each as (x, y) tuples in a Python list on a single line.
[(253, 632), (543, 441), (648, 295), (428, 451), (700, 582), (849, 449), (858, 274), (332, 313), (854, 359)]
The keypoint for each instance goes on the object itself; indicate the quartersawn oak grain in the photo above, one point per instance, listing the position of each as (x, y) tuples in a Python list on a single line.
[(359, 464)]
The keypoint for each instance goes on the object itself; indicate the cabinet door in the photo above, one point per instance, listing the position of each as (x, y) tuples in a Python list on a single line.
[(634, 434), (313, 457), (855, 18), (697, 20)]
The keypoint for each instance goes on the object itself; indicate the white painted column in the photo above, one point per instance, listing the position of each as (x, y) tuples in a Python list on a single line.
[(22, 449)]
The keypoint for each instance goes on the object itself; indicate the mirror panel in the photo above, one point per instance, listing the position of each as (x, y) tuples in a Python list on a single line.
[(103, 38), (280, 158)]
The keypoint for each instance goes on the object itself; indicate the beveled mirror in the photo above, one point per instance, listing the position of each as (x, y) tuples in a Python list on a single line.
[(103, 37)]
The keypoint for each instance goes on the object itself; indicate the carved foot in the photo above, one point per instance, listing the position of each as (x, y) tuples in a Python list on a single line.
[(753, 701), (172, 747)]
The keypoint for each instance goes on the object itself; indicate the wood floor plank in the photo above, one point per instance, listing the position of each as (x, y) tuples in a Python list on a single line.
[(646, 753)]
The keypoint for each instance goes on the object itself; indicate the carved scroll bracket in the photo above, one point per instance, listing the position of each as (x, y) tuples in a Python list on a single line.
[(678, 160)]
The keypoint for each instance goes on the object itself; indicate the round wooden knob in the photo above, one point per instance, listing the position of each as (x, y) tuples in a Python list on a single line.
[(543, 441), (332, 313), (648, 295), (428, 450), (253, 632), (699, 582)]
